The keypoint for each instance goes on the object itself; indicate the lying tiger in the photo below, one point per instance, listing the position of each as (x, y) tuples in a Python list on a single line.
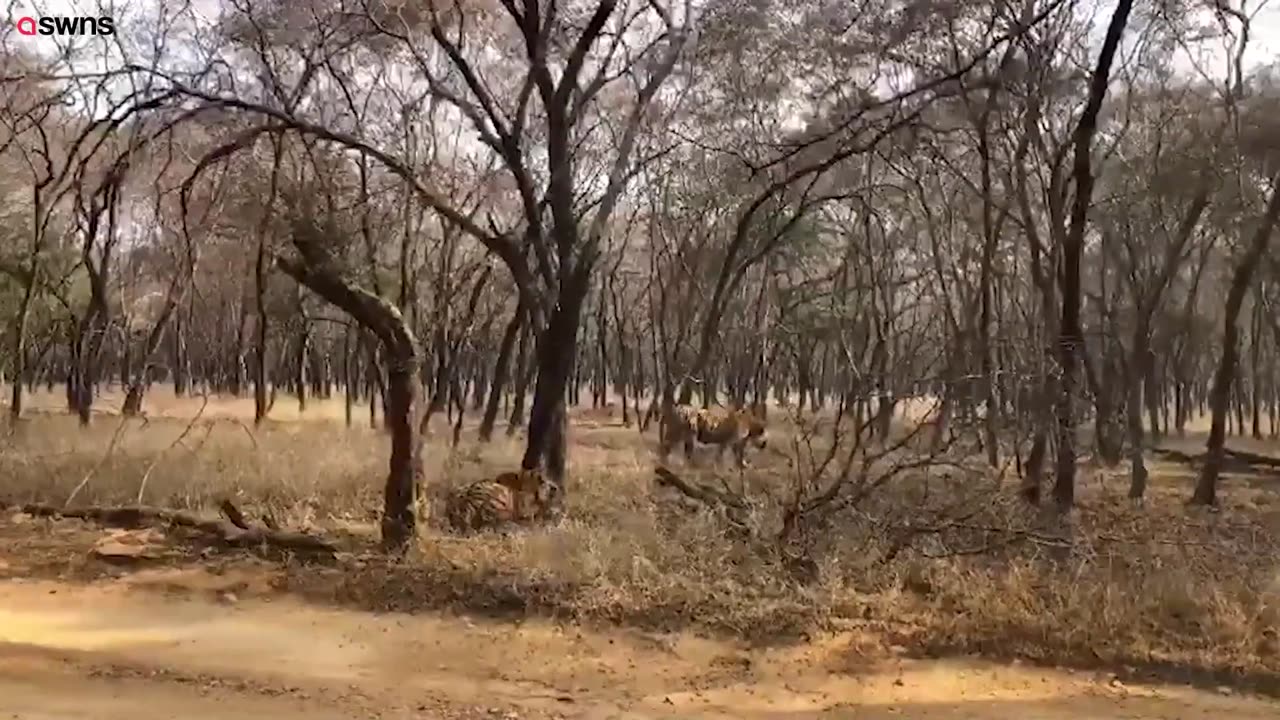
[(492, 503), (722, 427)]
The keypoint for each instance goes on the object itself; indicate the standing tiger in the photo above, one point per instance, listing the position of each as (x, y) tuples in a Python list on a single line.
[(491, 503), (722, 427)]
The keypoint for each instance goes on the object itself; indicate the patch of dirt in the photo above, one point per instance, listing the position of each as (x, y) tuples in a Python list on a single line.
[(113, 650)]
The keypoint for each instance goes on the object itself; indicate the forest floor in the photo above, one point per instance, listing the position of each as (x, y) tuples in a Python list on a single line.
[(623, 611)]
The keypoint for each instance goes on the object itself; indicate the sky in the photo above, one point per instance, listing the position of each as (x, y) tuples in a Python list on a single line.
[(1264, 39)]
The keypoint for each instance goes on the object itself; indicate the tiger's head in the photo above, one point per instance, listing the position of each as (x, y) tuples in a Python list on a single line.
[(533, 484)]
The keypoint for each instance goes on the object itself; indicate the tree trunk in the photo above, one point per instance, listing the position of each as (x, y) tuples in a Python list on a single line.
[(556, 358), (300, 361), (1207, 486), (86, 352), (237, 368), (602, 346), (260, 407), (348, 376), (139, 380), (403, 359), (1139, 368), (19, 348), (524, 372), (1154, 398), (501, 372), (1255, 375), (1070, 335)]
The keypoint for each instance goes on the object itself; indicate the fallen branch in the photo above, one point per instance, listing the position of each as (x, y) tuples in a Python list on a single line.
[(697, 491), (1177, 455), (1254, 458), (737, 511), (735, 507), (236, 532)]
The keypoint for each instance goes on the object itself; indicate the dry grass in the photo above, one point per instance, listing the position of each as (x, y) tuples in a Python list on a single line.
[(1159, 588)]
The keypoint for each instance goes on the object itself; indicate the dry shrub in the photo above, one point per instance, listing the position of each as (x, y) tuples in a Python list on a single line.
[(301, 472), (938, 563), (1155, 589)]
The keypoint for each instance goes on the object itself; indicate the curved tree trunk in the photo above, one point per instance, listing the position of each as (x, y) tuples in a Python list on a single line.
[(402, 357), (1224, 377)]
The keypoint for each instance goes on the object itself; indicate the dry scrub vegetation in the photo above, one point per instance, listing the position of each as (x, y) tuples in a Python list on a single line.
[(932, 564)]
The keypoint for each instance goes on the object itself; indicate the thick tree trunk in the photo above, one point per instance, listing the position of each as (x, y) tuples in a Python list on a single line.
[(556, 356), (405, 468)]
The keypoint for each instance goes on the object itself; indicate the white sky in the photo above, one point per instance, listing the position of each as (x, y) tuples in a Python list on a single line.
[(1264, 39)]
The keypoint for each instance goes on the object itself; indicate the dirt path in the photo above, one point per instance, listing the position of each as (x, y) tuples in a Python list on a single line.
[(112, 651)]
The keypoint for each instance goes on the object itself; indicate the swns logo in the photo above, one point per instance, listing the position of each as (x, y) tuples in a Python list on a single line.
[(61, 25)]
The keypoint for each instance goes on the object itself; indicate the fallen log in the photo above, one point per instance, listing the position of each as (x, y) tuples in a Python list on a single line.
[(1237, 460), (1177, 455), (1254, 458), (235, 532)]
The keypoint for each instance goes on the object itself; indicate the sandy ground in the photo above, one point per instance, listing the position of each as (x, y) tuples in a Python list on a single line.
[(112, 650)]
